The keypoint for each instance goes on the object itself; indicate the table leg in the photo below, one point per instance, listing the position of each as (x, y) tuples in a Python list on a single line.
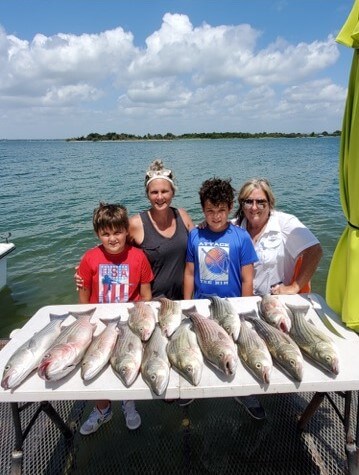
[(53, 415), (17, 454), (20, 435), (351, 446), (310, 410)]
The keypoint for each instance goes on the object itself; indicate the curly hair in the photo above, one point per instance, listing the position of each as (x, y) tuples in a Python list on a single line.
[(112, 216), (217, 191)]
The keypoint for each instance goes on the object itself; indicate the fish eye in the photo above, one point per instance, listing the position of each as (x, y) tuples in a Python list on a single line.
[(328, 358), (189, 369), (258, 365), (292, 362), (7, 367), (153, 377)]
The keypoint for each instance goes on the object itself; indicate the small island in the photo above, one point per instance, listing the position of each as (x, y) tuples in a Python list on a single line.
[(114, 136)]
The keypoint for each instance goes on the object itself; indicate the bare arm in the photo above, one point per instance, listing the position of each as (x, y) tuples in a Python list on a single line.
[(145, 292), (247, 274), (84, 295), (311, 258), (135, 231), (186, 219), (188, 281)]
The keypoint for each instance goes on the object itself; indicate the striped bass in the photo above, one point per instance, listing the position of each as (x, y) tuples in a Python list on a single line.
[(223, 312), (155, 367), (127, 355), (169, 315), (141, 320), (98, 353), (283, 349), (273, 311), (27, 357), (216, 345), (185, 354), (69, 347), (315, 344), (254, 352)]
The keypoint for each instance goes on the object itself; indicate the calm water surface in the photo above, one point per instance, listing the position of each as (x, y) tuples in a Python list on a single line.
[(48, 190)]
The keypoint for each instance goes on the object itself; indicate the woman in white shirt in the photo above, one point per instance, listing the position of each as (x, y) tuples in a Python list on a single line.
[(287, 250)]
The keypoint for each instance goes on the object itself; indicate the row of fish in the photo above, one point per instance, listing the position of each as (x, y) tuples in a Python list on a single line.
[(143, 345), (287, 335), (138, 344)]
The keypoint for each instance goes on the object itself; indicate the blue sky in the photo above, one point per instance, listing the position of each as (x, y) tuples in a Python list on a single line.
[(71, 67)]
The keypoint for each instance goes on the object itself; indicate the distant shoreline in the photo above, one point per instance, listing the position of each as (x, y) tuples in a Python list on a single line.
[(122, 137)]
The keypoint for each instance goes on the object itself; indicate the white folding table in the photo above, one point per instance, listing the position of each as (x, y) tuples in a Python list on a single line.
[(213, 384)]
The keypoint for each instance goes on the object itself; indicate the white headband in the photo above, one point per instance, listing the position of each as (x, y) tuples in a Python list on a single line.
[(160, 177), (163, 174)]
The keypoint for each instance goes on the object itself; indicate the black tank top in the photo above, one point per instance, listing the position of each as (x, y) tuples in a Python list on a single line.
[(166, 255)]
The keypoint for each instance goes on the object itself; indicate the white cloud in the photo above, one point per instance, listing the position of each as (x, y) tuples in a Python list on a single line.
[(185, 78)]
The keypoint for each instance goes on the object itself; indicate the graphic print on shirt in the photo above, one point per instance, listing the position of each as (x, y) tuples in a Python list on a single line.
[(114, 281), (213, 263)]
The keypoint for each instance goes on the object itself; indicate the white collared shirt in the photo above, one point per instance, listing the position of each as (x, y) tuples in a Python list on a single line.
[(280, 244)]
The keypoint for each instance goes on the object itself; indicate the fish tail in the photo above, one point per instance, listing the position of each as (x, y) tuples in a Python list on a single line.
[(54, 317), (299, 310), (89, 312), (248, 315), (188, 312), (106, 321)]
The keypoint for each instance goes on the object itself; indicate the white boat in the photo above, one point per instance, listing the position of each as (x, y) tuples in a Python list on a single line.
[(5, 249)]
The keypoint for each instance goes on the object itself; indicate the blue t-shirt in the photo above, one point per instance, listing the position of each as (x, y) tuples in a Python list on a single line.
[(218, 258)]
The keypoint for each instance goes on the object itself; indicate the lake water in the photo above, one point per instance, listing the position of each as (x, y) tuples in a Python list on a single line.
[(48, 190)]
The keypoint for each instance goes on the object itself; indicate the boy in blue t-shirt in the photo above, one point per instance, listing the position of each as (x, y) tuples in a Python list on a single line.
[(220, 256)]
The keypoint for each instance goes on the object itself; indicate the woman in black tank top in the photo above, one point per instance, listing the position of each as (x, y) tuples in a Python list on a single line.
[(162, 233)]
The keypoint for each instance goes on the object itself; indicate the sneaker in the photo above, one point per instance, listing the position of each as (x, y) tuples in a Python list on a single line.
[(185, 402), (95, 420), (252, 406), (132, 417)]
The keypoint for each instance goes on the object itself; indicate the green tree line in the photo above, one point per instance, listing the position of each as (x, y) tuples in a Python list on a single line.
[(112, 136)]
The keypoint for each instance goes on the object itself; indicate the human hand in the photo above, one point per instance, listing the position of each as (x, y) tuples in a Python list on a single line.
[(202, 225), (281, 289), (78, 279)]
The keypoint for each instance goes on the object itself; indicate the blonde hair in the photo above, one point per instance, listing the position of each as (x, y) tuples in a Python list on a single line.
[(157, 170), (247, 188)]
